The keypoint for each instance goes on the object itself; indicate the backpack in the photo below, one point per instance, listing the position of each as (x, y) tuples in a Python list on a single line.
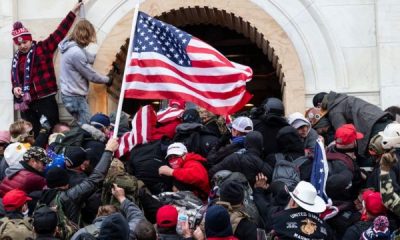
[(66, 227), (18, 229), (250, 207), (73, 137), (144, 162), (117, 174), (286, 171), (185, 200), (332, 156)]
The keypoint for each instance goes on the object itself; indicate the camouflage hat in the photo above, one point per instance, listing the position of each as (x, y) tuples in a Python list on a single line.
[(36, 153)]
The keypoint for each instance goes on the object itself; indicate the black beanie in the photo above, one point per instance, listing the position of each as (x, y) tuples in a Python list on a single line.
[(232, 192), (217, 222), (75, 156), (191, 116), (45, 220), (114, 226), (317, 99), (57, 177)]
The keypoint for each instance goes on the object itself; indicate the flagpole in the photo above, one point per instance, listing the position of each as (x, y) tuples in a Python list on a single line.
[(128, 57)]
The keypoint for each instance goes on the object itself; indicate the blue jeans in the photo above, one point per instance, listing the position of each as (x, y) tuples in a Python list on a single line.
[(78, 107)]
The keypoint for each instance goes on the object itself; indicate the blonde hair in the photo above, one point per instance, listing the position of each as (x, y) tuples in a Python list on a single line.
[(19, 130), (106, 210), (83, 33)]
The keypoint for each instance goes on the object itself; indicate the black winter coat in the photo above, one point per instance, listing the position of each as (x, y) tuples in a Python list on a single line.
[(269, 125), (249, 162), (73, 198), (215, 156), (94, 143), (144, 162), (196, 137)]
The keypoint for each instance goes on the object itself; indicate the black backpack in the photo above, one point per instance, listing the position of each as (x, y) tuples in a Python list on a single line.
[(144, 162), (249, 206), (73, 137), (287, 171)]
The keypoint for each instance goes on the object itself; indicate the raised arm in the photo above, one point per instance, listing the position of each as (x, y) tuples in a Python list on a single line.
[(52, 41), (86, 188)]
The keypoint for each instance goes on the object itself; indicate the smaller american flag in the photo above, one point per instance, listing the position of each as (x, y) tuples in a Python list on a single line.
[(169, 114), (320, 170), (142, 125)]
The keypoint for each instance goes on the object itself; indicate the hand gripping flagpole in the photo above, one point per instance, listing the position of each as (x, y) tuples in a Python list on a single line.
[(128, 60)]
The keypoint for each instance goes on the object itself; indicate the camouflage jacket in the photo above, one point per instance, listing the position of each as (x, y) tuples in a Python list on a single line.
[(390, 198)]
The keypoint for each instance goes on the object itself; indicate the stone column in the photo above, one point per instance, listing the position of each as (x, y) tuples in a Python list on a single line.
[(6, 55), (388, 41)]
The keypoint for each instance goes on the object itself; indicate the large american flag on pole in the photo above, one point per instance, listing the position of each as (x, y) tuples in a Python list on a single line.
[(168, 63)]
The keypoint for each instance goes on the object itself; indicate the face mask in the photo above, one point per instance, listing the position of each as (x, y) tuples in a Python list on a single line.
[(176, 162), (25, 213)]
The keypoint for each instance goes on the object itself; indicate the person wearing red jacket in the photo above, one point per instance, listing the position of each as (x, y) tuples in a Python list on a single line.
[(186, 168), (32, 74), (28, 174)]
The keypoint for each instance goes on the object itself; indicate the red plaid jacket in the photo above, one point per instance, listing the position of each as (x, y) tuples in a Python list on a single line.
[(43, 77)]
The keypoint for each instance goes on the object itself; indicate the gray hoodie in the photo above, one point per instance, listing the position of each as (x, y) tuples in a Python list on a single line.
[(76, 70)]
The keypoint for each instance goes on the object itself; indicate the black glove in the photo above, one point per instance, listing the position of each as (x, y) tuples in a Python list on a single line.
[(110, 82)]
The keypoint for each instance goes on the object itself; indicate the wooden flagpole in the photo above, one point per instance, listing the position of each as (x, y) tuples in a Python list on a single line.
[(128, 60)]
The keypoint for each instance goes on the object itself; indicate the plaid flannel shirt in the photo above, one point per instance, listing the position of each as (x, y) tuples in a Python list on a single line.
[(43, 76)]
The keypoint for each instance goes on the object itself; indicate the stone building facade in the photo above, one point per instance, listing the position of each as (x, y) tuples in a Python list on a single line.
[(348, 46)]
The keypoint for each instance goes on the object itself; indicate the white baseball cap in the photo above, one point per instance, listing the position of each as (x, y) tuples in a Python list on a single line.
[(305, 195), (243, 124), (15, 152), (176, 149), (298, 120)]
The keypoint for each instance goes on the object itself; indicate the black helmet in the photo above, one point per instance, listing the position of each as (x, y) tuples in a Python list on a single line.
[(274, 106)]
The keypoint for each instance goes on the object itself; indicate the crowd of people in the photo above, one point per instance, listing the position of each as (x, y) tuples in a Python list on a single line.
[(198, 176)]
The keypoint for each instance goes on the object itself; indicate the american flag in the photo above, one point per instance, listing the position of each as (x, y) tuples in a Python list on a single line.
[(142, 125), (320, 170), (168, 63), (169, 114)]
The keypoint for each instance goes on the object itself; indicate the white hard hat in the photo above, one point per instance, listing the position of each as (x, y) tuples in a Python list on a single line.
[(391, 136)]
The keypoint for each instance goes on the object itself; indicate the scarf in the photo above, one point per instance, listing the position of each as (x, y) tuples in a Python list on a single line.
[(238, 139), (23, 104)]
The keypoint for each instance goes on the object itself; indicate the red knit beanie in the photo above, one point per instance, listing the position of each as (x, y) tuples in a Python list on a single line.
[(20, 33)]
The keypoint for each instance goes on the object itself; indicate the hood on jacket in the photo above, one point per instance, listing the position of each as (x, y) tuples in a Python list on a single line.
[(289, 141), (12, 170), (297, 120), (66, 44), (186, 127), (273, 120), (94, 132), (334, 99), (194, 157), (254, 142)]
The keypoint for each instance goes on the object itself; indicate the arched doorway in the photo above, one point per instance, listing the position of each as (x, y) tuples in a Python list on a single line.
[(248, 19)]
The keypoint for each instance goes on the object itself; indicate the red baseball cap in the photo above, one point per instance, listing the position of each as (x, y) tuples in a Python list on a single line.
[(347, 134), (179, 103), (167, 216), (373, 202), (15, 199)]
